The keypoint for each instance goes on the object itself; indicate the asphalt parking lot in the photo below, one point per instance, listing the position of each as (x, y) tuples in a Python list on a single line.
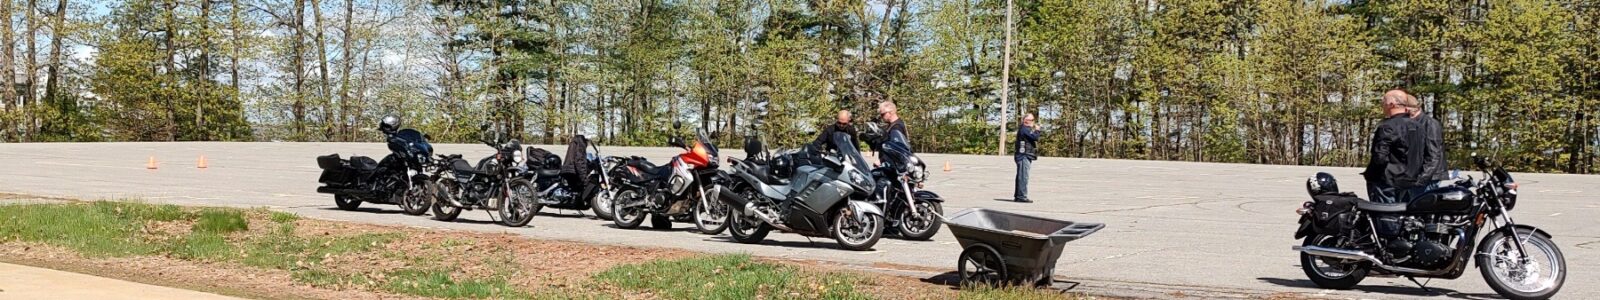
[(1196, 229)]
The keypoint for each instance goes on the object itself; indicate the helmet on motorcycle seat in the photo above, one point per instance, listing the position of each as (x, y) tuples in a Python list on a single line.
[(1321, 184), (389, 124), (552, 161), (782, 166)]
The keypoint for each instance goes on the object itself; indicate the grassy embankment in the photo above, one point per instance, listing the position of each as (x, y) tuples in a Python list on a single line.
[(336, 260)]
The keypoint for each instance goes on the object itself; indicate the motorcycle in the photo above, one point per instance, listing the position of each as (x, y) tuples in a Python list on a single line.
[(575, 184), (400, 178), (498, 184), (676, 192), (1431, 236), (817, 198), (913, 213)]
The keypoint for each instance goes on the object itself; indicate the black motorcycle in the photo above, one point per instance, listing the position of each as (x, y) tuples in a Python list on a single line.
[(1430, 236), (400, 178), (681, 191), (912, 213), (578, 183), (497, 183), (811, 193)]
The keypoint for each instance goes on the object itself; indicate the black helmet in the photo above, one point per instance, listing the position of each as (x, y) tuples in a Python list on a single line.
[(390, 123), (782, 166), (1321, 184)]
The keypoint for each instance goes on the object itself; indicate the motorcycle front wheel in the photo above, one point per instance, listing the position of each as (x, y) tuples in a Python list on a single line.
[(1534, 271), (921, 228), (601, 204), (520, 206), (1331, 273), (712, 218), (417, 199), (854, 233), (627, 218)]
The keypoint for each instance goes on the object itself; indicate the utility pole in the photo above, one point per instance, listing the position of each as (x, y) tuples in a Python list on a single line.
[(1005, 82)]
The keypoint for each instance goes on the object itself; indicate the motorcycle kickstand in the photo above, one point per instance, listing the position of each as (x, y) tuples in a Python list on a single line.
[(1423, 286)]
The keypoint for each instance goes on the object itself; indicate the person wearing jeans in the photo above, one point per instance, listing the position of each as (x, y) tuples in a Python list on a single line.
[(1027, 151)]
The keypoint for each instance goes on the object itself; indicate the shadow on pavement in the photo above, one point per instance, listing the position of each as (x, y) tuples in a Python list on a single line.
[(366, 210), (1405, 291), (952, 279)]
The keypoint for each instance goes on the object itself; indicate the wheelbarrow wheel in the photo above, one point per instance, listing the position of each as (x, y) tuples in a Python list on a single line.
[(981, 264)]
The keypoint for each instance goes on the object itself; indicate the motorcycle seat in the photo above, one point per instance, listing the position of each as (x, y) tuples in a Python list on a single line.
[(547, 173), (461, 166), (1381, 207), (363, 163)]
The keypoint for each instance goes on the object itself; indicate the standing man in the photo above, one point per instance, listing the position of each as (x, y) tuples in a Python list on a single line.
[(825, 140), (1027, 151), (888, 113), (1387, 163), (1428, 154)]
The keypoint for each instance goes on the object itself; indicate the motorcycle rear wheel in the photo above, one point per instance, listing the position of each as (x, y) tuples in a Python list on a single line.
[(747, 230), (1498, 261), (346, 202), (1331, 273), (627, 218)]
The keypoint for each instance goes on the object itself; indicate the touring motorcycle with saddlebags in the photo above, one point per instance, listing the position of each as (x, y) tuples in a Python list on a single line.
[(684, 190), (497, 183), (400, 178), (1431, 236)]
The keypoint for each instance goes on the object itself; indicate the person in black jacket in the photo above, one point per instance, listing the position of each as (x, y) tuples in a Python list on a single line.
[(1027, 152), (1387, 164), (825, 140), (1428, 154)]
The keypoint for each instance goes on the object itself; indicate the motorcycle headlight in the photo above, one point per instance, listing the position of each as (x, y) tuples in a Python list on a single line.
[(518, 156)]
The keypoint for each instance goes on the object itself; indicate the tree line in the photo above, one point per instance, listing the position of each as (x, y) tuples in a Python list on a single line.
[(1248, 81)]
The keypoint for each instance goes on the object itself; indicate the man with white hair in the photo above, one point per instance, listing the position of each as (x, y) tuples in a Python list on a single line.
[(1388, 161), (1027, 151)]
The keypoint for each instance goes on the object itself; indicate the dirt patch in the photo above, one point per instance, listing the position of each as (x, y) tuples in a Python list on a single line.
[(226, 279)]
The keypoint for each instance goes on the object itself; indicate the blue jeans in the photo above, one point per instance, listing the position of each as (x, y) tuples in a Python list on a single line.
[(1023, 166)]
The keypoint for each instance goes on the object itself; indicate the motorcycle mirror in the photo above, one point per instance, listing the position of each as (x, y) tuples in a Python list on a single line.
[(677, 125)]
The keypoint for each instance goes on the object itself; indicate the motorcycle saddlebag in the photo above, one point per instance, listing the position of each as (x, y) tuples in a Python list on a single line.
[(1333, 213)]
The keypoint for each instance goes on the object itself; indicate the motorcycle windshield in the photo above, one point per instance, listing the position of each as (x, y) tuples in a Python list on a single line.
[(896, 150), (413, 137), (841, 142), (710, 147)]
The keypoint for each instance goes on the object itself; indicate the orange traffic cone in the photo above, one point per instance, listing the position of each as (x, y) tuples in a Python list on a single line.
[(947, 167), (152, 164), (202, 163)]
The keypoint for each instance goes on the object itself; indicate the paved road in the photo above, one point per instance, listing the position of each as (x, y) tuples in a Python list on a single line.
[(24, 282), (1216, 230)]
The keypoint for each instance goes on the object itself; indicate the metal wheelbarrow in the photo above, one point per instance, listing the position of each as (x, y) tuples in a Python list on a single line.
[(1002, 248)]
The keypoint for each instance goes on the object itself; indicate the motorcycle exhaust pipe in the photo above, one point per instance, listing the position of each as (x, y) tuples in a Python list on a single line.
[(1338, 253), (730, 197), (750, 209)]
